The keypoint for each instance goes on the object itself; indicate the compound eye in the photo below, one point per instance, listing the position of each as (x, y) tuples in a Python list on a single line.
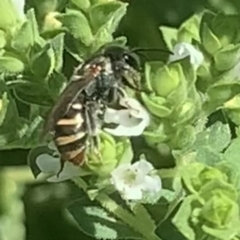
[(126, 57), (130, 60)]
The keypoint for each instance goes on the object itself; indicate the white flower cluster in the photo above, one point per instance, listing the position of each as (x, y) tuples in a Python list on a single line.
[(133, 181)]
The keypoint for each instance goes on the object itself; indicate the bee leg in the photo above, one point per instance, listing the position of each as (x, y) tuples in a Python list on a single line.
[(91, 123), (61, 167), (121, 93)]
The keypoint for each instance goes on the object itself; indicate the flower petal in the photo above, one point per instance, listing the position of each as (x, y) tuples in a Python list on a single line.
[(122, 117), (144, 166), (132, 121), (48, 163), (118, 176), (152, 184), (182, 50), (132, 193)]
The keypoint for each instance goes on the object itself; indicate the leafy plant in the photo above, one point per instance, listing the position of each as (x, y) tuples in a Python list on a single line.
[(181, 170)]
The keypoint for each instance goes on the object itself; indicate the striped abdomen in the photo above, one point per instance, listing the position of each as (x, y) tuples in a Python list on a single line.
[(70, 135)]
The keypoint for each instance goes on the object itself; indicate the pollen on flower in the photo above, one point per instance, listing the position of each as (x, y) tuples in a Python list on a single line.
[(135, 181)]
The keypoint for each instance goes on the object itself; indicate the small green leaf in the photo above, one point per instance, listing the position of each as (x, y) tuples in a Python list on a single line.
[(209, 40), (34, 93), (231, 156), (57, 44), (155, 105), (56, 83), (153, 138), (98, 223), (226, 28), (181, 219), (9, 16), (216, 137), (189, 30), (169, 36), (3, 39), (23, 38), (227, 57), (82, 4), (34, 36), (43, 62), (11, 64), (4, 103), (24, 134), (77, 24), (101, 38), (107, 15)]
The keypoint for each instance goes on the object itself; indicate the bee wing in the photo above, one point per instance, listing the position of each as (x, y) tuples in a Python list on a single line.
[(66, 99)]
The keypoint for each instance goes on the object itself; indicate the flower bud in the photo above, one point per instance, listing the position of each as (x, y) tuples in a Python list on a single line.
[(163, 78), (50, 22), (109, 155), (220, 210), (155, 105)]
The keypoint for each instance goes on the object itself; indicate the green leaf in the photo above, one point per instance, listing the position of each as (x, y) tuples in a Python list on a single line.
[(3, 39), (4, 103), (9, 16), (82, 4), (189, 30), (227, 57), (181, 219), (77, 24), (34, 93), (11, 65), (23, 38), (232, 156), (169, 36), (34, 28), (101, 38), (98, 223), (209, 40), (57, 44), (107, 15), (155, 105), (226, 28), (24, 134), (28, 34), (56, 83), (216, 137), (43, 62)]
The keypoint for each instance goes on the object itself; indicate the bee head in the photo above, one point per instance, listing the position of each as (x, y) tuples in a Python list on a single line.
[(122, 58)]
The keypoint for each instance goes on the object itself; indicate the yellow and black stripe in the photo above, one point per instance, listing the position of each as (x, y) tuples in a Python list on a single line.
[(70, 135)]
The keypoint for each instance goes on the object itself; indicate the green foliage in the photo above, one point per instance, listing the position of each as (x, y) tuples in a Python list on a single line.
[(200, 192), (97, 222)]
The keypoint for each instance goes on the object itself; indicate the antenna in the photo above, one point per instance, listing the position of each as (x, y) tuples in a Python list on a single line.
[(136, 50)]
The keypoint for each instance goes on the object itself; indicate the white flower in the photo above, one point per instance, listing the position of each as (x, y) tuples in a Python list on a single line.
[(19, 6), (131, 121), (182, 50), (133, 181), (51, 165)]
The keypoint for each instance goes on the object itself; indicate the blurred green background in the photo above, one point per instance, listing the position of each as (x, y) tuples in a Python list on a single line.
[(43, 203)]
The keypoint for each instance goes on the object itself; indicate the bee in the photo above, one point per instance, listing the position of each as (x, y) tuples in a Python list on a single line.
[(76, 117)]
